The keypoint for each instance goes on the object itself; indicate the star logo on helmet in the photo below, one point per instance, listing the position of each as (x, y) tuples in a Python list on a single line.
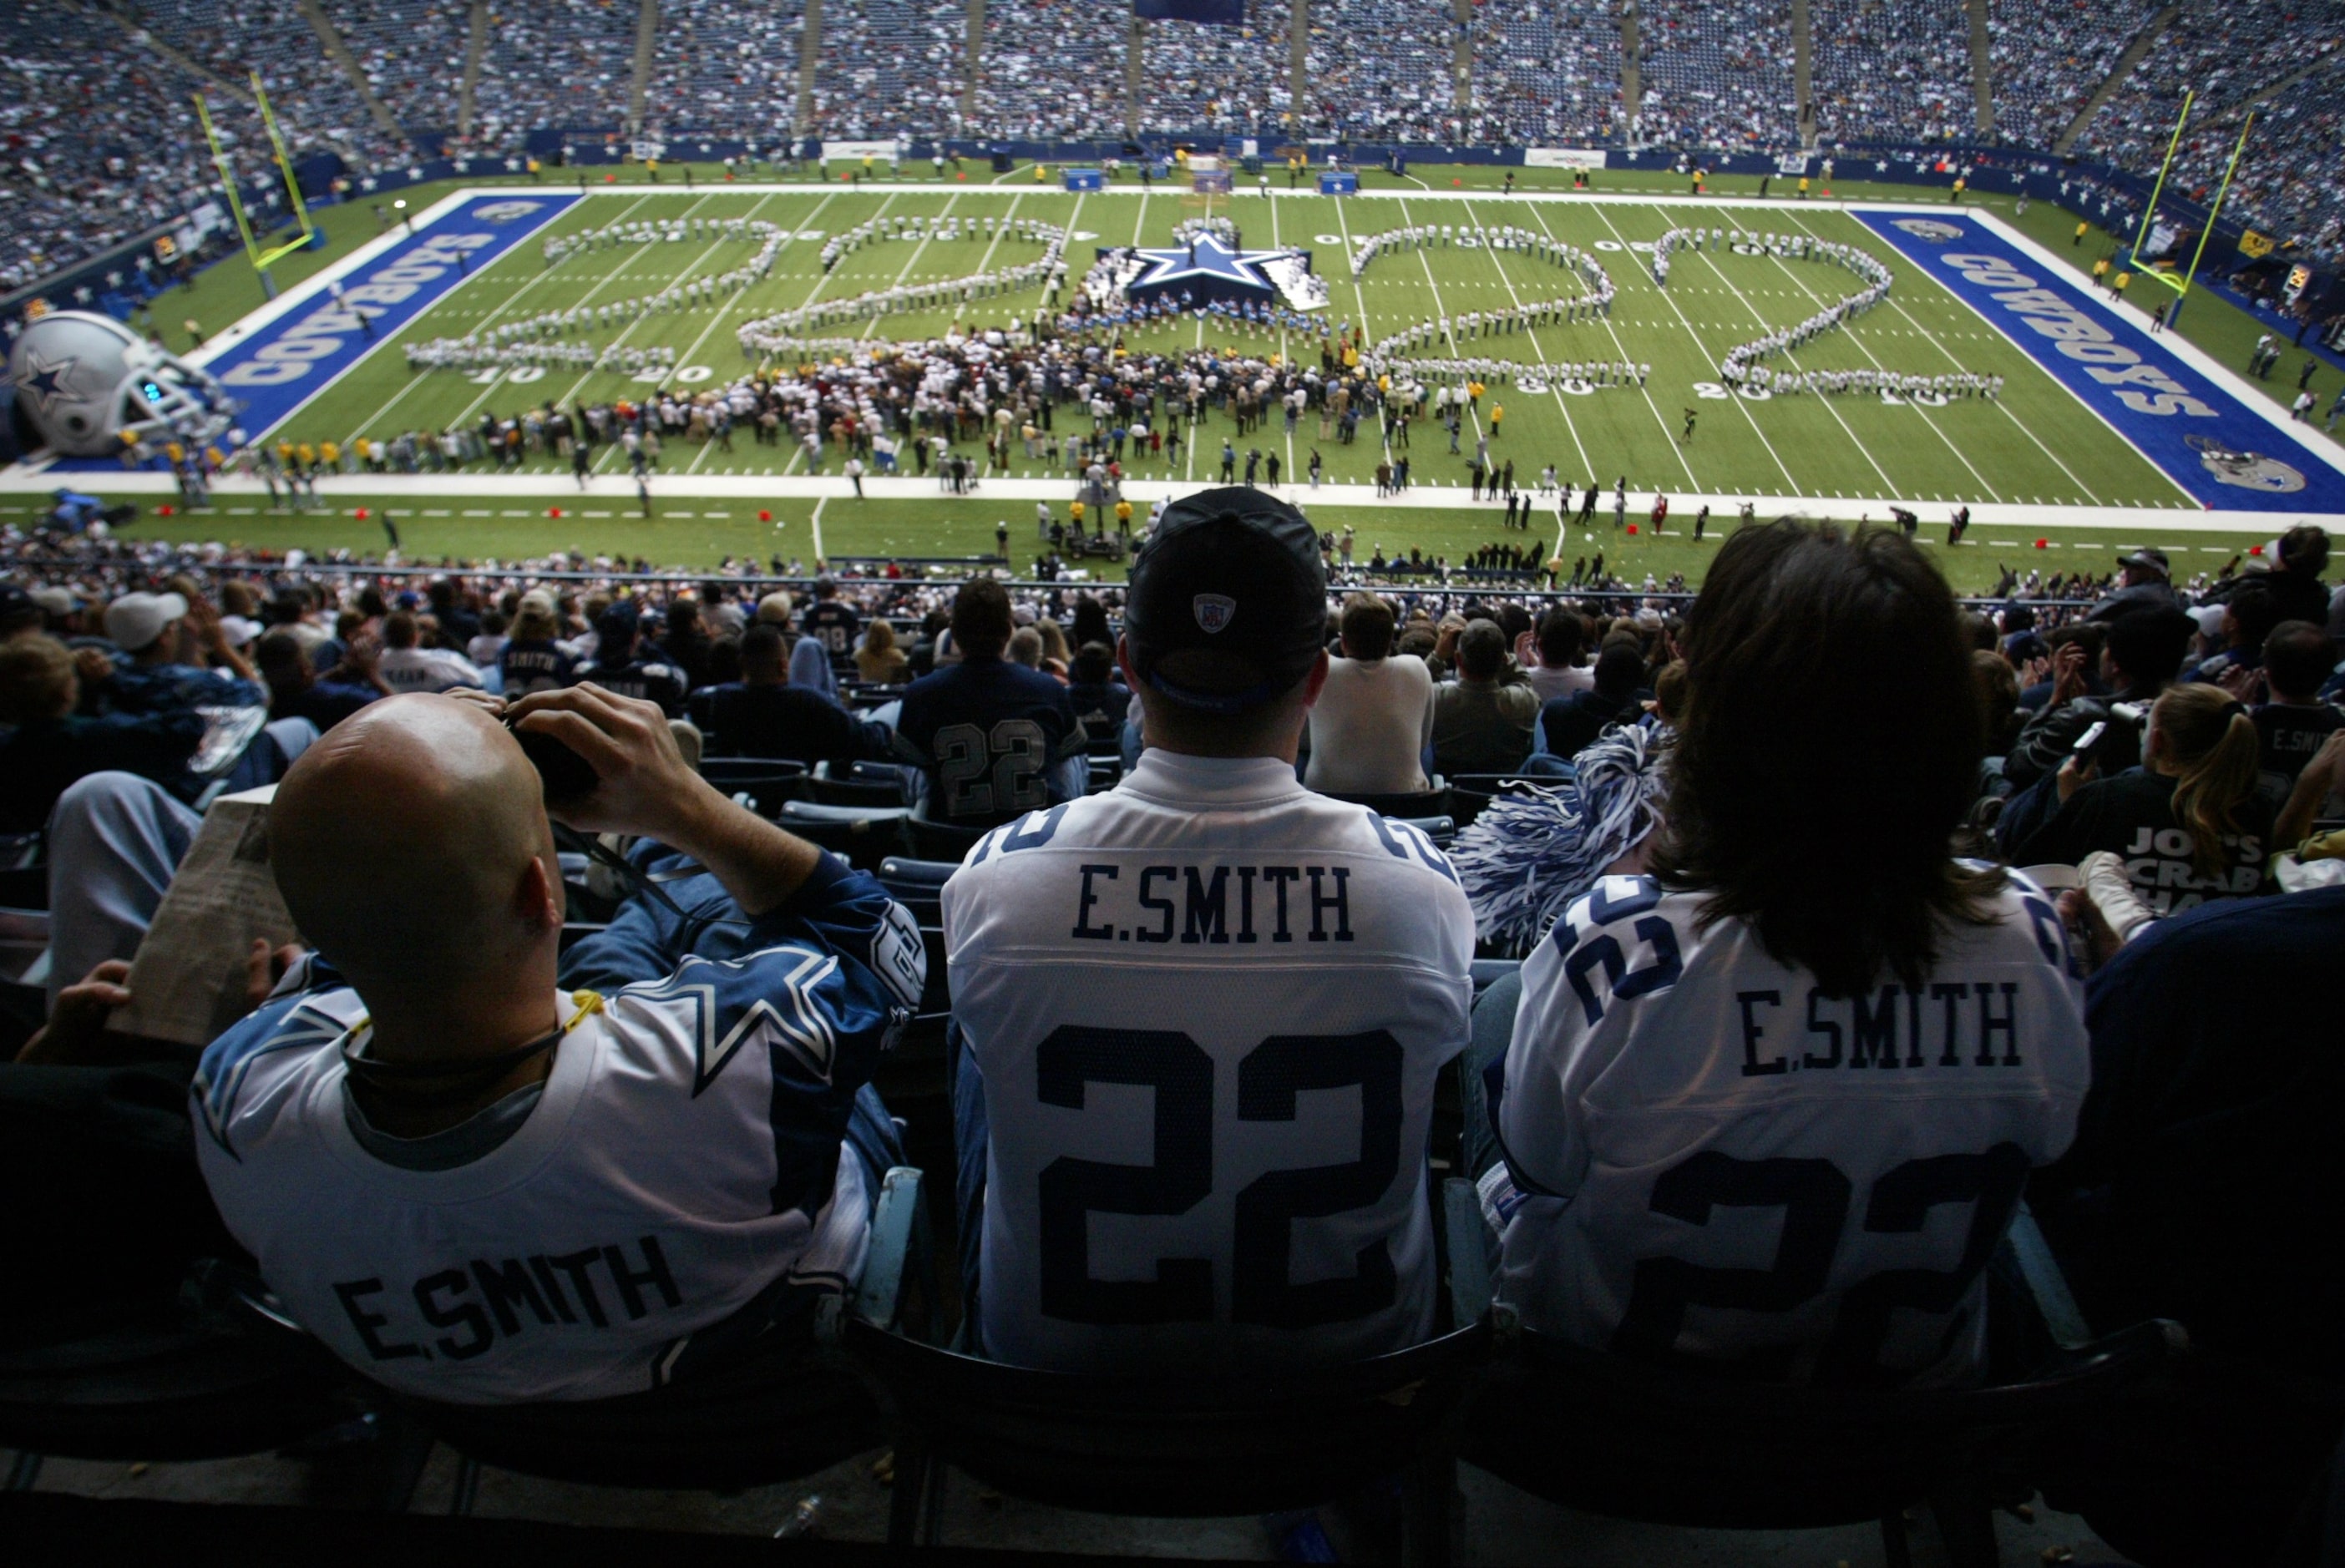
[(49, 381)]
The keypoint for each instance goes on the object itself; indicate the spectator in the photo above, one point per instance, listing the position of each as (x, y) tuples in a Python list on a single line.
[(994, 738), (877, 660), (2204, 1161), (2298, 658), (2298, 593), (2142, 584), (616, 667), (1560, 667), (297, 690), (1100, 698), (1481, 726), (1353, 980), (154, 679), (458, 1105), (1372, 722), (534, 659), (2249, 616), (1998, 693), (408, 666), (46, 746), (1647, 1114), (832, 623), (2138, 658), (1567, 723), (2188, 823), (762, 715)]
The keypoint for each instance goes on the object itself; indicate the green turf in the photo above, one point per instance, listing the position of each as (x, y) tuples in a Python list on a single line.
[(697, 533)]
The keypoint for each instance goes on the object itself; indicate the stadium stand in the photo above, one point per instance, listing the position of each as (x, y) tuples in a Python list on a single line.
[(2048, 57), (890, 68), (412, 54), (1886, 73), (559, 64), (727, 70), (1381, 69), (1049, 70), (305, 86), (1717, 76), (1547, 74), (1229, 80)]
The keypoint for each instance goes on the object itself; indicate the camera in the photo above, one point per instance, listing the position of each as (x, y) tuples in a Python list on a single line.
[(565, 775)]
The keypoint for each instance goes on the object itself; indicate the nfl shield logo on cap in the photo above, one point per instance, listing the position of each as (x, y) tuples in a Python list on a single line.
[(1213, 610)]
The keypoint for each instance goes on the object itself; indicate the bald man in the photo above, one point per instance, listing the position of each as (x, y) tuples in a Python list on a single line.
[(484, 1174)]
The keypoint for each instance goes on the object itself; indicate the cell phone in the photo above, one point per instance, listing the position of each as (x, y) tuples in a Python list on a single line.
[(2089, 739)]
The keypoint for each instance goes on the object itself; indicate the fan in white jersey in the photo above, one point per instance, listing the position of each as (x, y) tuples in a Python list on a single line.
[(479, 1187), (1204, 1012), (1775, 1105)]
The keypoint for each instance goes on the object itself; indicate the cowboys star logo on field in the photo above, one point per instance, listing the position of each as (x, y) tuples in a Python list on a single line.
[(505, 211), (2247, 470), (1929, 228), (1214, 611), (1208, 258)]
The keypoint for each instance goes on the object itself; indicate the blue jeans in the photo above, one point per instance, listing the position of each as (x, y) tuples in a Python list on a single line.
[(115, 840), (972, 1132), (1483, 1061)]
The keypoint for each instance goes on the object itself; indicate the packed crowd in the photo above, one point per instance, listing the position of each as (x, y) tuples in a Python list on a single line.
[(1892, 72), (306, 86), (1382, 70), (411, 53), (2048, 57), (1546, 74), (724, 69), (892, 68), (1717, 76), (2164, 756), (1218, 79)]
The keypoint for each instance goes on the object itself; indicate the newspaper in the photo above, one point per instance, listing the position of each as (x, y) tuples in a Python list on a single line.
[(187, 978)]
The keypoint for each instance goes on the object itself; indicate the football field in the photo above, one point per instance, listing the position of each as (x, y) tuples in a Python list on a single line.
[(2041, 461)]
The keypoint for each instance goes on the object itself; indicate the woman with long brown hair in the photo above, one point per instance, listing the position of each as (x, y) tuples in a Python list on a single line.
[(2189, 823), (1726, 1078)]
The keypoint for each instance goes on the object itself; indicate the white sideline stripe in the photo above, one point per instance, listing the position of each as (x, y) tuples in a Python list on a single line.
[(554, 488)]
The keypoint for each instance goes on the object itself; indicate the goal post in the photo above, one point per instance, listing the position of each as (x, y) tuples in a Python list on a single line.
[(2182, 285), (261, 257)]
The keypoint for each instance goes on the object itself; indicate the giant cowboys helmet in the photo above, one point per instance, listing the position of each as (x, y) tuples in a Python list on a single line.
[(84, 381)]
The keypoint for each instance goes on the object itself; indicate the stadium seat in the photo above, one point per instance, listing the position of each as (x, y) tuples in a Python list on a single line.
[(203, 1377), (1441, 830), (1427, 802), (1471, 794), (1488, 972), (768, 781), (1179, 1445), (865, 835), (1683, 1446), (823, 791), (757, 1426), (941, 840), (917, 884), (1106, 773)]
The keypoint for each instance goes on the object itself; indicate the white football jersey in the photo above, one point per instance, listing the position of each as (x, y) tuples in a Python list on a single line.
[(1209, 1007), (683, 1164), (1707, 1158)]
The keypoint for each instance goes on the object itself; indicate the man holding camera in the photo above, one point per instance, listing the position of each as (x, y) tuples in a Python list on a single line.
[(481, 1170)]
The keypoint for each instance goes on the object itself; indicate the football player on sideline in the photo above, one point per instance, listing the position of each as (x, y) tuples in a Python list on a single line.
[(476, 1185), (1772, 1108), (1204, 1012)]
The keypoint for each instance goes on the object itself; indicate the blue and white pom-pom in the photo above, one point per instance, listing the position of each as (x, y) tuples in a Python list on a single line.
[(1529, 855)]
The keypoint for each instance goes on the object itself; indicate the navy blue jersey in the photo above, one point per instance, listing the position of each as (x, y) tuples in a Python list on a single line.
[(648, 679), (538, 665), (834, 625), (991, 735)]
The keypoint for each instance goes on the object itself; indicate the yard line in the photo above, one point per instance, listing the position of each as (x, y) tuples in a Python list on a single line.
[(1285, 357), (1790, 358), (821, 281), (1692, 484), (2082, 488), (1849, 330), (820, 502), (1363, 339), (511, 299), (906, 271), (718, 319), (1553, 390)]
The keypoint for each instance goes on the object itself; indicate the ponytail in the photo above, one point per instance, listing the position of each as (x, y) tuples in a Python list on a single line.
[(2211, 745)]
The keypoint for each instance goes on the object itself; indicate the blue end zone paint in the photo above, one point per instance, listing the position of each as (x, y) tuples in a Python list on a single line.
[(287, 362), (2221, 452)]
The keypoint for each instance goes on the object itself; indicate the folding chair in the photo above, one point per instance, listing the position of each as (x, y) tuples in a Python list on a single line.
[(916, 885), (758, 1426), (863, 835), (1423, 804), (941, 840), (198, 1380), (1441, 830), (1177, 1445), (1689, 1447), (769, 782)]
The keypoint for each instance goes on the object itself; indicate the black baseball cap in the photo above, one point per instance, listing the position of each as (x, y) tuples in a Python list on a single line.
[(1234, 572), (2150, 558)]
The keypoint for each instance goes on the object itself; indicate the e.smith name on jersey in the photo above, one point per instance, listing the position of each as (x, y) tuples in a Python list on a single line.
[(1708, 1156), (1209, 1008)]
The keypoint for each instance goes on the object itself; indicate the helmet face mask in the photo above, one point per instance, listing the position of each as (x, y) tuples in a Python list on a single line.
[(84, 382)]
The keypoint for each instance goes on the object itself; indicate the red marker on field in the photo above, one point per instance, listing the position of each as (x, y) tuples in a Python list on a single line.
[(1632, 527), (361, 514), (164, 510), (765, 517), (2255, 550), (553, 511), (2043, 544)]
